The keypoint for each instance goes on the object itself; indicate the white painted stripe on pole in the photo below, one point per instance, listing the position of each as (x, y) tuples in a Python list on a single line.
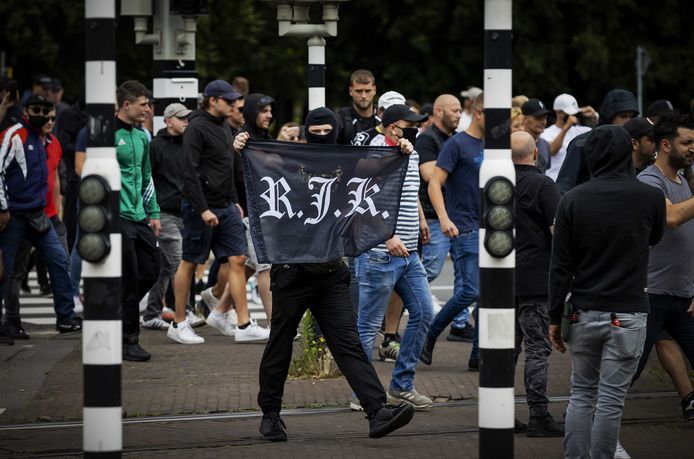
[(497, 164), (497, 154), (488, 261), (109, 266), (103, 161), (175, 88), (100, 9), (316, 55), (102, 342), (497, 88), (102, 429), (316, 98), (497, 328), (101, 82), (496, 407), (498, 15)]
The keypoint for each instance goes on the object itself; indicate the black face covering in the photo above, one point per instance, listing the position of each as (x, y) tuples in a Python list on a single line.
[(317, 117), (409, 134), (37, 121)]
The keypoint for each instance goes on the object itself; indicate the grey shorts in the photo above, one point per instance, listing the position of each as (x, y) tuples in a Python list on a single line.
[(252, 260)]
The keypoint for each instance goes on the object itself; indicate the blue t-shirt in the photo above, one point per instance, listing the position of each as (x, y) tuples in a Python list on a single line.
[(81, 141), (462, 157)]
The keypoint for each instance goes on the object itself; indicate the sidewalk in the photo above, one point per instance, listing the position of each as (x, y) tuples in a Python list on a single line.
[(41, 382)]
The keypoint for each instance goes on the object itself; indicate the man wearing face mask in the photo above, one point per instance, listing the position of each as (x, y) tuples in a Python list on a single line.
[(324, 288), (23, 189)]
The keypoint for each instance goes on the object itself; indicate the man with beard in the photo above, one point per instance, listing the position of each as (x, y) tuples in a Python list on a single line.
[(324, 289), (361, 115)]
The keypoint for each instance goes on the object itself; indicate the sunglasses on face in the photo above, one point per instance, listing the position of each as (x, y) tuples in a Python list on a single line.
[(51, 119), (36, 110)]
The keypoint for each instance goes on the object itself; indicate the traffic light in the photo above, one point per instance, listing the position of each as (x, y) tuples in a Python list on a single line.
[(498, 216), (94, 219)]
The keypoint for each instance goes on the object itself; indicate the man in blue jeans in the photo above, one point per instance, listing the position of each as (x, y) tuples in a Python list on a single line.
[(394, 265), (458, 168)]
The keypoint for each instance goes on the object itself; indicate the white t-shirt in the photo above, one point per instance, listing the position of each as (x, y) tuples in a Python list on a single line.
[(464, 123), (557, 160)]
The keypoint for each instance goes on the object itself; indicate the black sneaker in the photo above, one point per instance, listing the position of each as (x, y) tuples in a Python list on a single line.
[(463, 335), (70, 325), (544, 426), (688, 407), (272, 427), (390, 418), (13, 327), (46, 291), (25, 286), (133, 352), (519, 426), (5, 338), (473, 364), (427, 354)]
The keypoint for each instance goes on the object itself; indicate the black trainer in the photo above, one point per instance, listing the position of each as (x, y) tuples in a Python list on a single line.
[(70, 325), (390, 418), (13, 327), (463, 335), (544, 426), (133, 352), (427, 354), (272, 427), (688, 407), (473, 364)]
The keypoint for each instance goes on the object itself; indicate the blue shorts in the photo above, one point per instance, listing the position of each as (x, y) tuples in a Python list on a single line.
[(228, 239)]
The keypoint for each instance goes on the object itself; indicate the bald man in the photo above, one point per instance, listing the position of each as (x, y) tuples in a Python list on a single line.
[(445, 117), (536, 204)]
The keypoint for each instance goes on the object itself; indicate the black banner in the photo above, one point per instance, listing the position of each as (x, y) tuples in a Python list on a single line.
[(312, 203)]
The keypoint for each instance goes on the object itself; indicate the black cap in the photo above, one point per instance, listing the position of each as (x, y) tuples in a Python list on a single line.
[(639, 127), (659, 108), (399, 112), (427, 109), (44, 81), (37, 100), (56, 85), (534, 107), (222, 89)]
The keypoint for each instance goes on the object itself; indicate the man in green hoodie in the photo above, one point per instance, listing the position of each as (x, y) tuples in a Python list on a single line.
[(139, 213)]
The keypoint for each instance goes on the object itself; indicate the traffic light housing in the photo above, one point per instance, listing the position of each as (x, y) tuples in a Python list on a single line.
[(95, 217), (499, 216)]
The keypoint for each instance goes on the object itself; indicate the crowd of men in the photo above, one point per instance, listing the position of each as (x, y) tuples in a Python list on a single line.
[(604, 240)]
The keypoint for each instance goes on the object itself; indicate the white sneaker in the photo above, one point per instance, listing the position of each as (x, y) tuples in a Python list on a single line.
[(154, 324), (193, 319), (233, 318), (183, 333), (210, 300), (79, 307), (221, 322), (252, 334), (620, 452)]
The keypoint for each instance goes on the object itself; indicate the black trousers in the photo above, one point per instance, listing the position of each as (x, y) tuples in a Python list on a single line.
[(327, 296), (140, 258)]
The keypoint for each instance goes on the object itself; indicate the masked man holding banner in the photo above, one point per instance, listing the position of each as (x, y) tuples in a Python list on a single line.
[(284, 184)]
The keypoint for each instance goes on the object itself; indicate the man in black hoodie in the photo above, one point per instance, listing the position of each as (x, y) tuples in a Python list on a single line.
[(607, 278), (618, 107), (324, 289)]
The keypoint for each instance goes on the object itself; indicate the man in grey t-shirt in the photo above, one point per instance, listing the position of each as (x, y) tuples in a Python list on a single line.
[(670, 267)]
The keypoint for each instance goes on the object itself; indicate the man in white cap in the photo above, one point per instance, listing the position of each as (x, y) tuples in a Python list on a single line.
[(565, 128), (469, 95), (374, 136)]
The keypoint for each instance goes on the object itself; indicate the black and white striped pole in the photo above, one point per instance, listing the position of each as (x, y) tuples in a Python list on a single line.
[(316, 72), (497, 254), (100, 241)]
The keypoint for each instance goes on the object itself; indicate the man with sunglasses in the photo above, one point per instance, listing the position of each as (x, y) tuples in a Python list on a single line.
[(23, 189)]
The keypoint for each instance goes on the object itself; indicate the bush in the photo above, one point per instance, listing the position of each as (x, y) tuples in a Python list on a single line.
[(314, 360)]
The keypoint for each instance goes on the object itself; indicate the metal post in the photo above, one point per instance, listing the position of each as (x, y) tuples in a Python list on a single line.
[(496, 307), (101, 333), (316, 72)]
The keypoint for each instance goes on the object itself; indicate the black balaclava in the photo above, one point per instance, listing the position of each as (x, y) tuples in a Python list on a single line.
[(320, 116)]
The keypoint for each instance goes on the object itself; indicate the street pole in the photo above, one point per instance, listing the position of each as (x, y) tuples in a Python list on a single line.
[(643, 61), (497, 240), (316, 72), (101, 332)]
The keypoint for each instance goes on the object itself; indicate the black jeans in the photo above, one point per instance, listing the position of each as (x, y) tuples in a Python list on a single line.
[(140, 258), (327, 296)]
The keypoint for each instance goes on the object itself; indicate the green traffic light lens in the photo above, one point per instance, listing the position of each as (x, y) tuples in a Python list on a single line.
[(499, 191), (500, 217), (93, 190), (93, 247), (499, 244), (92, 219)]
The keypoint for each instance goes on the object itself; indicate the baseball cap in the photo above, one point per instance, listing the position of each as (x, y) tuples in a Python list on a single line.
[(222, 89), (427, 109), (399, 112), (534, 107), (390, 98), (44, 81), (177, 110), (471, 93), (639, 127), (566, 103), (659, 108), (35, 99)]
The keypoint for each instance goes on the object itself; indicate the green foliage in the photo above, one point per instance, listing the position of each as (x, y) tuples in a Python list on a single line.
[(314, 360)]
